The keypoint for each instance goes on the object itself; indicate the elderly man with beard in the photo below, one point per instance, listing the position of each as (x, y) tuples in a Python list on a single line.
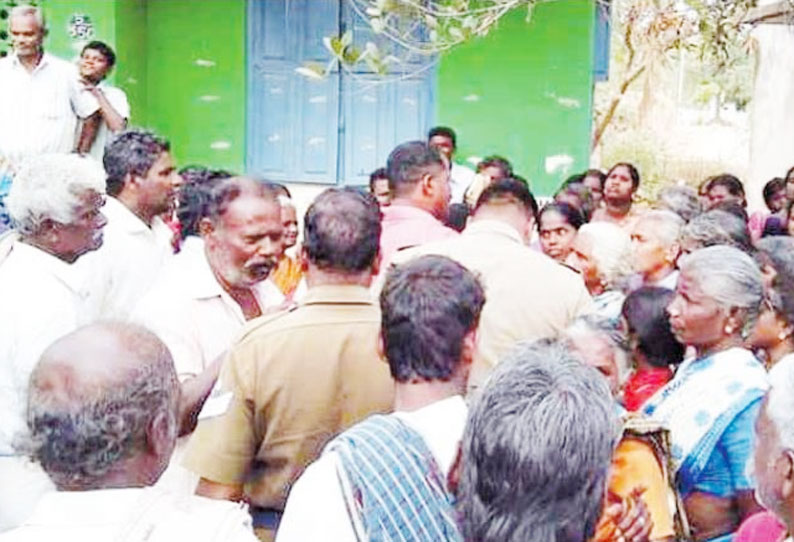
[(202, 299), (55, 204), (297, 378)]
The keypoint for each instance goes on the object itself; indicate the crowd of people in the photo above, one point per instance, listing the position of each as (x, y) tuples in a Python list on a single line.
[(435, 358)]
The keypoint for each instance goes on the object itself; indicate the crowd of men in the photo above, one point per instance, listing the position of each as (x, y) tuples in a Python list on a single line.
[(437, 358)]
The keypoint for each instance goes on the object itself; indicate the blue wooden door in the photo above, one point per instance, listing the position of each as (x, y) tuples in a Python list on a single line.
[(292, 121), (336, 130)]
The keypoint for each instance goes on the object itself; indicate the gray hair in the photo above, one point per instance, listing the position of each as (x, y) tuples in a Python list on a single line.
[(593, 325), (728, 276), (537, 449), (681, 200), (717, 227), (132, 152), (78, 439), (668, 225), (611, 252), (49, 187), (26, 10), (780, 401), (777, 251)]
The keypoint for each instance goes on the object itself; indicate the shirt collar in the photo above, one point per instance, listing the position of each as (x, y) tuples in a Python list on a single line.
[(39, 259), (497, 227), (124, 218), (201, 282), (46, 58), (336, 294), (404, 212)]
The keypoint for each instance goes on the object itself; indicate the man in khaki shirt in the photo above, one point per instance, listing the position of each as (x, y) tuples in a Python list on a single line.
[(528, 295), (298, 378)]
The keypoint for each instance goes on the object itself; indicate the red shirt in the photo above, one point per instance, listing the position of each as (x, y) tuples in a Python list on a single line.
[(642, 384)]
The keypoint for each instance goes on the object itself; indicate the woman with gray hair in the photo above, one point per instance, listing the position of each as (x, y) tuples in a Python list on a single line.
[(711, 404), (601, 252), (716, 227)]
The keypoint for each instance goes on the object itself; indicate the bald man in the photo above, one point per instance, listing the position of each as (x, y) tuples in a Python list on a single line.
[(102, 415)]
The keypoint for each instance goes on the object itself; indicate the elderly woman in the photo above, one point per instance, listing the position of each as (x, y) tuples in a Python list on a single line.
[(711, 404), (715, 227), (682, 200), (601, 252), (773, 336), (636, 461)]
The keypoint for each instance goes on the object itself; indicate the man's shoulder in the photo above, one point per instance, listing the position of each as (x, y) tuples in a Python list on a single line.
[(192, 517), (116, 96), (56, 63), (303, 316)]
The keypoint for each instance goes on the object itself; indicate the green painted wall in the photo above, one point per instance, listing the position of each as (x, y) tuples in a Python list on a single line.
[(182, 64), (524, 91), (59, 14), (120, 23), (196, 79), (131, 60)]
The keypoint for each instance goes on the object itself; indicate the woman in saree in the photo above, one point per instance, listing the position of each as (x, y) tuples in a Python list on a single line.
[(711, 404)]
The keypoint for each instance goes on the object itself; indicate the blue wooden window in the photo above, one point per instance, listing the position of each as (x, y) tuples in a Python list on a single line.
[(332, 131)]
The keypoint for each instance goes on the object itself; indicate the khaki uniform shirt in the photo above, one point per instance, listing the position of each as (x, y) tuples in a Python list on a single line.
[(298, 379), (528, 296)]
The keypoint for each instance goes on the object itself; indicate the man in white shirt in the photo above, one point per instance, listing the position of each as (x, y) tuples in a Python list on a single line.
[(96, 61), (142, 183), (443, 139), (41, 97), (386, 477), (102, 415), (55, 203), (202, 299)]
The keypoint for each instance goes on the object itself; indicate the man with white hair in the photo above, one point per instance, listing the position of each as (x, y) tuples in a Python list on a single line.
[(102, 417), (655, 248), (41, 97), (774, 451), (55, 203)]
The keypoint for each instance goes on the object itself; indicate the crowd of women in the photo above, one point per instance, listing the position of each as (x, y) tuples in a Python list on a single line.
[(697, 303)]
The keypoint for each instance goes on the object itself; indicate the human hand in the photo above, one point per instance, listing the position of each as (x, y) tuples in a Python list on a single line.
[(90, 87), (631, 518)]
